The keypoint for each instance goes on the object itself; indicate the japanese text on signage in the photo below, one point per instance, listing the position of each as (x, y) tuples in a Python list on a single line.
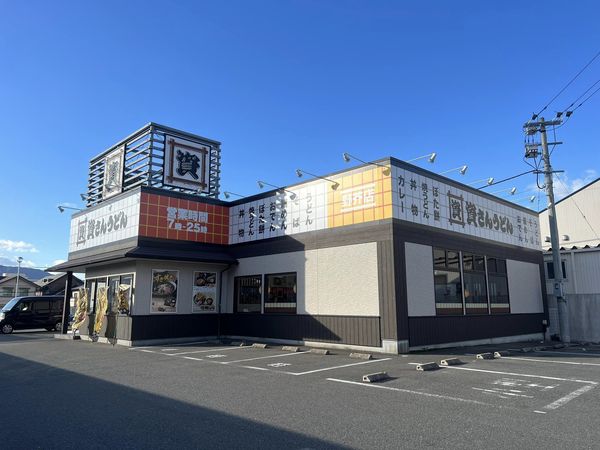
[(187, 220), (88, 229)]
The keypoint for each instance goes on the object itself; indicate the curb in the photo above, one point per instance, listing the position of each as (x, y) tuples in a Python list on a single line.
[(289, 348), (319, 351), (451, 362), (375, 377), (257, 345), (427, 366)]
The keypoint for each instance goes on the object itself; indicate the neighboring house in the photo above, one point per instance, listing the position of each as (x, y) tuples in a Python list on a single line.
[(578, 218), (55, 284), (8, 284)]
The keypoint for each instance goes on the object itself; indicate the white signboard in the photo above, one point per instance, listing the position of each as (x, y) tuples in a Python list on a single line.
[(113, 173), (279, 215), (110, 222), (422, 200), (186, 164)]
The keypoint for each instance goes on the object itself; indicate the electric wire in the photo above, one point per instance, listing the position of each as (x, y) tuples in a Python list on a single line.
[(507, 179), (578, 98), (568, 84), (578, 208), (584, 101)]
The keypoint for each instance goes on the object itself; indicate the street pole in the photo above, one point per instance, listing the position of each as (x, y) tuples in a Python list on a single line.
[(19, 261), (67, 303), (563, 310)]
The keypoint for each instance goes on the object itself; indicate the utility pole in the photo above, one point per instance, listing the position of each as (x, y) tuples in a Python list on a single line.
[(19, 261), (563, 311)]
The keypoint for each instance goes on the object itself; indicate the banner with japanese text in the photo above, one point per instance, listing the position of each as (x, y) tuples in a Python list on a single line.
[(427, 201)]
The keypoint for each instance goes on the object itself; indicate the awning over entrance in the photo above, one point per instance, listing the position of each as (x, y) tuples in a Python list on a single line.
[(146, 251)]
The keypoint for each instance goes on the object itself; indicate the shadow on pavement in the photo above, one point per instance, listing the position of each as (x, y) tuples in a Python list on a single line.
[(24, 335), (48, 407)]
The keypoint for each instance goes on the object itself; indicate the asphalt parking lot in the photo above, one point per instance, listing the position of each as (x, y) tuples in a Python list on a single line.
[(68, 394)]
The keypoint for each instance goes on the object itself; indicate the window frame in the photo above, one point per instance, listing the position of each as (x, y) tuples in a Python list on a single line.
[(547, 267), (266, 288), (499, 274), (475, 272), (446, 267), (92, 291), (499, 269), (236, 291)]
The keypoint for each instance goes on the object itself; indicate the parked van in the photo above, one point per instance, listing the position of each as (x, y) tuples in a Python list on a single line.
[(32, 312)]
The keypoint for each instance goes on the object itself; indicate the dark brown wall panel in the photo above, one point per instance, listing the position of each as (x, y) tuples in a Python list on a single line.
[(387, 290), (444, 329), (335, 329), (173, 326)]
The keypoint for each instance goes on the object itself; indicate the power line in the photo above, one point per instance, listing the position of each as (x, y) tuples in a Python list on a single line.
[(577, 99), (590, 96), (567, 85), (578, 208), (508, 179)]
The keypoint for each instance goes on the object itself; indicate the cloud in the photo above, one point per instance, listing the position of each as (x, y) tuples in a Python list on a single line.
[(17, 246), (563, 184), (12, 261)]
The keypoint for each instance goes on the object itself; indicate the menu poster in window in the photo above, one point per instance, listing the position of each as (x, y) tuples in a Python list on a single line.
[(164, 291), (204, 292)]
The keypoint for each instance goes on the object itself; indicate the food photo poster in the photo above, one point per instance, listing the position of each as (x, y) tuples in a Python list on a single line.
[(204, 292), (164, 291)]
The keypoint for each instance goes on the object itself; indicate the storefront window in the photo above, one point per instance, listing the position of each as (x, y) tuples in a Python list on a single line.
[(476, 301), (498, 282), (448, 286), (280, 295), (92, 286), (113, 290), (248, 294), (124, 294)]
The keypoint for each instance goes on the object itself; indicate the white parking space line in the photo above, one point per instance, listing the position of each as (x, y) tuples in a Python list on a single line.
[(517, 374), (265, 357), (567, 398), (551, 361), (255, 368), (173, 345), (501, 392), (408, 391), (338, 367), (215, 349), (190, 343)]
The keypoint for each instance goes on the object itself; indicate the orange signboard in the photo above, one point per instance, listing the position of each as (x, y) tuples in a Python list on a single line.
[(362, 196), (166, 217)]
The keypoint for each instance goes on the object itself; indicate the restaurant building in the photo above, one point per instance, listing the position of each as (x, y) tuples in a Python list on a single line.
[(385, 256)]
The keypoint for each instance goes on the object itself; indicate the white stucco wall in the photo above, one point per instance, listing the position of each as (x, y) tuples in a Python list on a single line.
[(330, 281), (524, 287), (419, 280)]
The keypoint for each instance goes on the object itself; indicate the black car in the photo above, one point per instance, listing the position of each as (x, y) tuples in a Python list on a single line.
[(32, 312)]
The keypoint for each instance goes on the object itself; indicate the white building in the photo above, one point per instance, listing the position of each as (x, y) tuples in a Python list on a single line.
[(578, 218)]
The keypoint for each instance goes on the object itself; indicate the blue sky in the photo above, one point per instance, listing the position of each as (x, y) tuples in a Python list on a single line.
[(282, 84)]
